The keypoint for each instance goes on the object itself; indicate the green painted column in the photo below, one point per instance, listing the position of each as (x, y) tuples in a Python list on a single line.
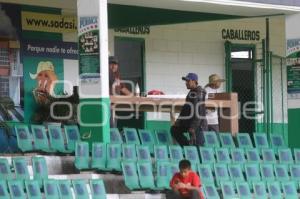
[(94, 109)]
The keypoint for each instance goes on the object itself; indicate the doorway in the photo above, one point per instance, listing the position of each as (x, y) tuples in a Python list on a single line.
[(130, 53), (240, 74)]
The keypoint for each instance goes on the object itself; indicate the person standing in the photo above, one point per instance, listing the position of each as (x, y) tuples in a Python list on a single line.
[(192, 116), (186, 183), (212, 114)]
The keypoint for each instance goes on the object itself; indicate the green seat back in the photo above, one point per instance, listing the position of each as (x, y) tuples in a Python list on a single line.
[(97, 189), (252, 155), (129, 152), (40, 169), (113, 153), (64, 189), (205, 173), (163, 137), (236, 173), (277, 141), (162, 175), (131, 136), (98, 156), (176, 153), (259, 190), (5, 172), (207, 155), (221, 173), (143, 153), (191, 154), (145, 174), (261, 140), (82, 155), (238, 156), (243, 190), (252, 172), (289, 190), (297, 155), (16, 189), (210, 191), (130, 175), (295, 172), (57, 141), (173, 168), (274, 190), (3, 189), (24, 138), (244, 140), (40, 139), (161, 153), (72, 136), (33, 189), (222, 155), (147, 138), (267, 172), (281, 172), (21, 170), (115, 136), (268, 156), (211, 139), (285, 156), (51, 189), (226, 140), (80, 189), (228, 190)]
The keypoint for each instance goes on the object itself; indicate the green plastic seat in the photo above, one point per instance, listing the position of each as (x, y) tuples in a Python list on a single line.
[(82, 155), (268, 156), (243, 190), (72, 136), (143, 153), (21, 170), (162, 175), (295, 172), (163, 137), (33, 189), (211, 139), (161, 153), (5, 172), (222, 155), (221, 173), (205, 173), (228, 190), (131, 178), (131, 136), (56, 138), (145, 174), (173, 168), (238, 156), (277, 141), (252, 155), (259, 190), (129, 152), (98, 160), (191, 154), (285, 156), (226, 140), (16, 189), (147, 138), (64, 189), (207, 155), (40, 169), (281, 172), (97, 188), (261, 140), (24, 138), (244, 140), (3, 190), (51, 189), (267, 172), (40, 139), (252, 172), (289, 190), (210, 191), (297, 155), (176, 153), (80, 189), (236, 173), (115, 136), (114, 157), (274, 190)]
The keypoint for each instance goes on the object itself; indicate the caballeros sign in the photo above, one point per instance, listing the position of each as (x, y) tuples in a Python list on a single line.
[(246, 35)]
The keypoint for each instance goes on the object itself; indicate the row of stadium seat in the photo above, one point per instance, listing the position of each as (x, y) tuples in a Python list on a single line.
[(52, 189)]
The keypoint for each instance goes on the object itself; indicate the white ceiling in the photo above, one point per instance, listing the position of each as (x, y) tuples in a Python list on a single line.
[(209, 6)]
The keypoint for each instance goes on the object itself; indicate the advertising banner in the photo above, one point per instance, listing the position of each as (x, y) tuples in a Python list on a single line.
[(293, 68)]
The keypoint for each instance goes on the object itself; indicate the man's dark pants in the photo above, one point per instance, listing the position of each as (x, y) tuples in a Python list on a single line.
[(194, 194), (178, 134)]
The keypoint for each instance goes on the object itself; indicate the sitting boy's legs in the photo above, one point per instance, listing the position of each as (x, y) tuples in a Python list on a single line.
[(173, 195), (194, 194)]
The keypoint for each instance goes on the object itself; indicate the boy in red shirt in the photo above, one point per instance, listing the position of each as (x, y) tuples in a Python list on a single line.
[(185, 184)]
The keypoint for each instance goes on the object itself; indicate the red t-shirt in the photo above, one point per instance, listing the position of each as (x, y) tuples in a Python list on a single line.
[(192, 179)]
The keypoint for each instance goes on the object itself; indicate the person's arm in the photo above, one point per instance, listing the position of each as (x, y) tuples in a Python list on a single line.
[(195, 184), (125, 91), (198, 100)]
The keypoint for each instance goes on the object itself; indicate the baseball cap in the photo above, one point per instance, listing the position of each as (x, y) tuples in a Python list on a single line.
[(190, 76), (113, 60), (215, 78)]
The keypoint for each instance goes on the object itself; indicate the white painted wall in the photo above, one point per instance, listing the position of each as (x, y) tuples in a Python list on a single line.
[(174, 50)]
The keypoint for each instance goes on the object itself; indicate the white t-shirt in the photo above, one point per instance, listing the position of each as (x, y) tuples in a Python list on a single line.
[(211, 114)]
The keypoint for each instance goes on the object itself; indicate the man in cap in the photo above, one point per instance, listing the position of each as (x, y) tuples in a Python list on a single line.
[(211, 113), (45, 77), (192, 116)]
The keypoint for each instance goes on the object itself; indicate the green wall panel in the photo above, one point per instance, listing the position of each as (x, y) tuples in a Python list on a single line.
[(279, 128), (294, 128), (155, 124)]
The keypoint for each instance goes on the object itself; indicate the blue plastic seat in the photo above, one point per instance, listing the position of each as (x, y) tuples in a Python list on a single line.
[(3, 190), (162, 175), (64, 189), (163, 137), (56, 137), (176, 153), (285, 156), (243, 190), (51, 189), (281, 172), (238, 156), (260, 190), (226, 140), (236, 173), (143, 153), (211, 139), (295, 172), (205, 173), (289, 190), (210, 191), (277, 141), (114, 157), (252, 172), (80, 189), (145, 174), (252, 155), (5, 172), (228, 190), (129, 152), (274, 190), (16, 189), (222, 155), (131, 178), (21, 170), (40, 139), (267, 172), (268, 156), (98, 160), (40, 169), (82, 155), (131, 136), (115, 136), (24, 138), (147, 138), (261, 140), (97, 189), (244, 141), (72, 136), (33, 189), (191, 154), (161, 153), (221, 173)]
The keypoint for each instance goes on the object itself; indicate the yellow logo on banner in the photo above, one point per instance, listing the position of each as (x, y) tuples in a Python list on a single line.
[(48, 22)]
